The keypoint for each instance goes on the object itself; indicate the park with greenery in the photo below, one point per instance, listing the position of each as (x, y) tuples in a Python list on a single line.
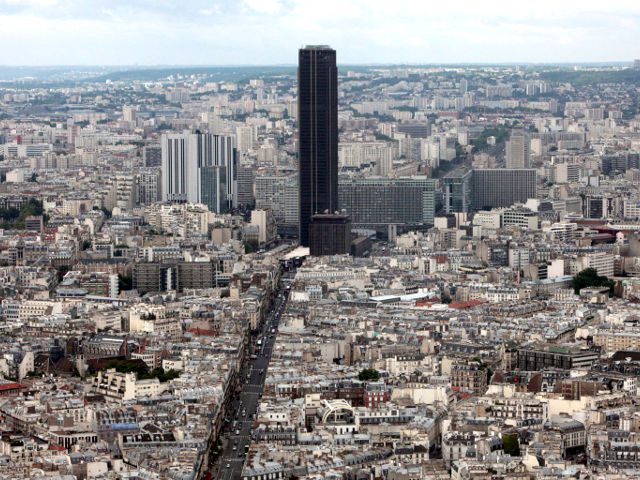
[(14, 218), (142, 370)]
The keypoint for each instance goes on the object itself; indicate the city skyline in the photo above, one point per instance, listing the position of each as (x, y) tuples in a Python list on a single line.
[(200, 33), (415, 264)]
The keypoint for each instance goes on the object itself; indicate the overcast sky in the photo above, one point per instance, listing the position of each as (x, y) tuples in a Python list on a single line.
[(260, 32)]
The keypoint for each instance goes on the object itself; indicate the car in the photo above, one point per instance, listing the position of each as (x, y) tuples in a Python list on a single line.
[(235, 447), (228, 465), (237, 432)]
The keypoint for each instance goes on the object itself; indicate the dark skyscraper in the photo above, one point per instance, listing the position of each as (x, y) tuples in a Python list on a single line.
[(318, 130), (330, 235)]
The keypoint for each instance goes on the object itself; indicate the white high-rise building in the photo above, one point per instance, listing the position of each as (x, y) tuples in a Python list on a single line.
[(518, 151), (183, 157), (129, 113), (279, 194), (174, 168), (265, 221), (247, 136)]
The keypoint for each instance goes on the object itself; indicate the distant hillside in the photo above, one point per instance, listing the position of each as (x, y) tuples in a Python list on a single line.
[(231, 74), (629, 76)]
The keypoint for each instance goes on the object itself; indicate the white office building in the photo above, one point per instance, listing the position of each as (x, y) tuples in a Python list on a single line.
[(518, 151), (184, 178)]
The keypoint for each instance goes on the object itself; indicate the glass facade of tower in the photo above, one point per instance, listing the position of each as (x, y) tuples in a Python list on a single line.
[(376, 202), (213, 181), (318, 132), (457, 191), (501, 187)]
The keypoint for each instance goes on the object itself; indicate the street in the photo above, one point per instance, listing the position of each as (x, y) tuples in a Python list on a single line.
[(239, 422)]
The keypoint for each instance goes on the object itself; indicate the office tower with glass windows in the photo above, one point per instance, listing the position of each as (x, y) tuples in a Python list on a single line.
[(318, 135), (377, 202), (457, 190), (185, 155), (500, 187)]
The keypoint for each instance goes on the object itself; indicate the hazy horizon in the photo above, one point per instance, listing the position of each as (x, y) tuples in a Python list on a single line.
[(577, 63)]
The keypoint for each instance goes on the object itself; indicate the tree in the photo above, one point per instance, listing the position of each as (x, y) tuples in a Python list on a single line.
[(383, 137), (163, 376), (15, 218), (250, 247), (142, 370), (445, 298), (510, 444), (500, 132), (125, 282), (107, 212), (127, 366), (61, 271), (369, 375), (589, 278)]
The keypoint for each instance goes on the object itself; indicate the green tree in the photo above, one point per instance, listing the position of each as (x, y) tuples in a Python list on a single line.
[(369, 375), (589, 278), (510, 444), (383, 137), (142, 370), (125, 282), (107, 213), (61, 271), (14, 217), (250, 247), (127, 366), (445, 298), (163, 376), (500, 132)]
